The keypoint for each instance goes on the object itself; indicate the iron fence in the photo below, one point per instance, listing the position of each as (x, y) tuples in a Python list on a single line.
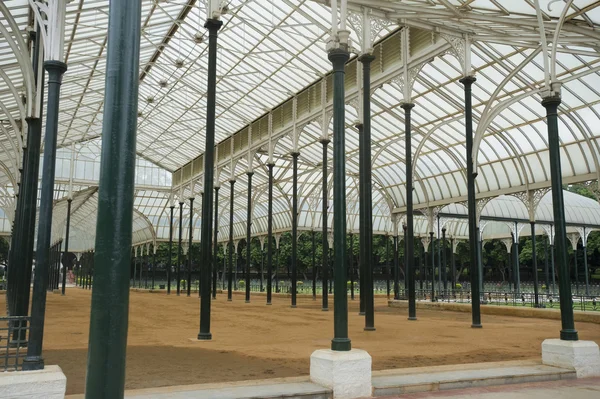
[(14, 335)]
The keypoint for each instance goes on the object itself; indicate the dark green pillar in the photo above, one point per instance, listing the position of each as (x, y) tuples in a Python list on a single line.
[(153, 264), (180, 248), (585, 263), (568, 331), (34, 360), (248, 235), (294, 225), (207, 262), (409, 244), (575, 267), (468, 81), (190, 251), (362, 256), (453, 265), (169, 261), (552, 252), (516, 259), (324, 242), (66, 258), (396, 269), (213, 263), (270, 235), (546, 271), (367, 195), (340, 342), (314, 267), (231, 248), (534, 265), (110, 297), (351, 266), (389, 269), (431, 248)]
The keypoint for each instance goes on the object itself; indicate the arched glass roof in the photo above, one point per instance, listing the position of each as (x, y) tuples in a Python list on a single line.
[(273, 87)]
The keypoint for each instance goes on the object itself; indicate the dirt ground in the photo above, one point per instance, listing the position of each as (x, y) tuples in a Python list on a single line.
[(254, 341)]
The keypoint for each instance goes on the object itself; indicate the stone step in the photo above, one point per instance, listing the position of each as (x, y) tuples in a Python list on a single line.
[(281, 388), (402, 381)]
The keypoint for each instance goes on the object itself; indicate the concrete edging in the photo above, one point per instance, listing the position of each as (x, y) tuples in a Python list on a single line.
[(499, 310)]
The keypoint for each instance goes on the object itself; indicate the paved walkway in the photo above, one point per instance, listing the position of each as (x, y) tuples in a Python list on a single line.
[(587, 388)]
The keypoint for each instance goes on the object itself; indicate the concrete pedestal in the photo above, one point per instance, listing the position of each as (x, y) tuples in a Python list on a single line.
[(581, 356), (347, 374), (49, 383)]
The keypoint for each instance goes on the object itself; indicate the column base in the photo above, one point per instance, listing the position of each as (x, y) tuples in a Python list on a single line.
[(581, 356), (412, 318), (325, 309), (476, 326), (247, 301), (361, 313), (293, 306), (204, 336), (49, 383), (347, 373)]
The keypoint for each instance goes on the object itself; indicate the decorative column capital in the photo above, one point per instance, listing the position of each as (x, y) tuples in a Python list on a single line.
[(338, 57), (325, 141), (52, 26), (468, 80), (551, 102), (366, 59), (213, 25), (407, 106), (295, 154)]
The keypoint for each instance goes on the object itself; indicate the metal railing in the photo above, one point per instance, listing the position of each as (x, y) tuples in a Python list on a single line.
[(14, 336)]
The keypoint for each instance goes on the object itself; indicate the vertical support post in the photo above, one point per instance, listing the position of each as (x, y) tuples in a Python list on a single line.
[(453, 263), (324, 242), (585, 264), (468, 81), (552, 252), (314, 267), (534, 264), (213, 263), (480, 262), (153, 264), (34, 360), (248, 235), (180, 248), (65, 260), (388, 268), (444, 264), (190, 251), (432, 249), (110, 297), (396, 269), (170, 260), (568, 332), (294, 226), (409, 244), (351, 265), (516, 259), (575, 266), (340, 342), (546, 271), (231, 248), (270, 236), (207, 261)]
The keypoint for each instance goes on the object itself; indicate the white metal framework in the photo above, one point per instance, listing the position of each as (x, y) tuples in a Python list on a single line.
[(274, 97)]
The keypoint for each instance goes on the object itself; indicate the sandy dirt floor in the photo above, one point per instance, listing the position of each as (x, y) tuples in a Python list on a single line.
[(255, 341)]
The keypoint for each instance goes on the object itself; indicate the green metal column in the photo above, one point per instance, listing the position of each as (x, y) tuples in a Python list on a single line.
[(576, 272), (169, 261), (294, 225), (444, 264), (409, 244), (324, 242), (110, 296), (179, 248), (207, 262), (248, 237), (396, 269), (270, 236), (213, 263), (388, 268), (546, 271), (153, 264), (534, 264), (468, 81), (34, 360), (351, 266), (66, 254), (314, 267), (552, 252), (190, 251), (231, 248), (432, 266), (480, 261), (568, 331), (516, 259), (362, 256), (340, 342), (585, 264), (453, 263)]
